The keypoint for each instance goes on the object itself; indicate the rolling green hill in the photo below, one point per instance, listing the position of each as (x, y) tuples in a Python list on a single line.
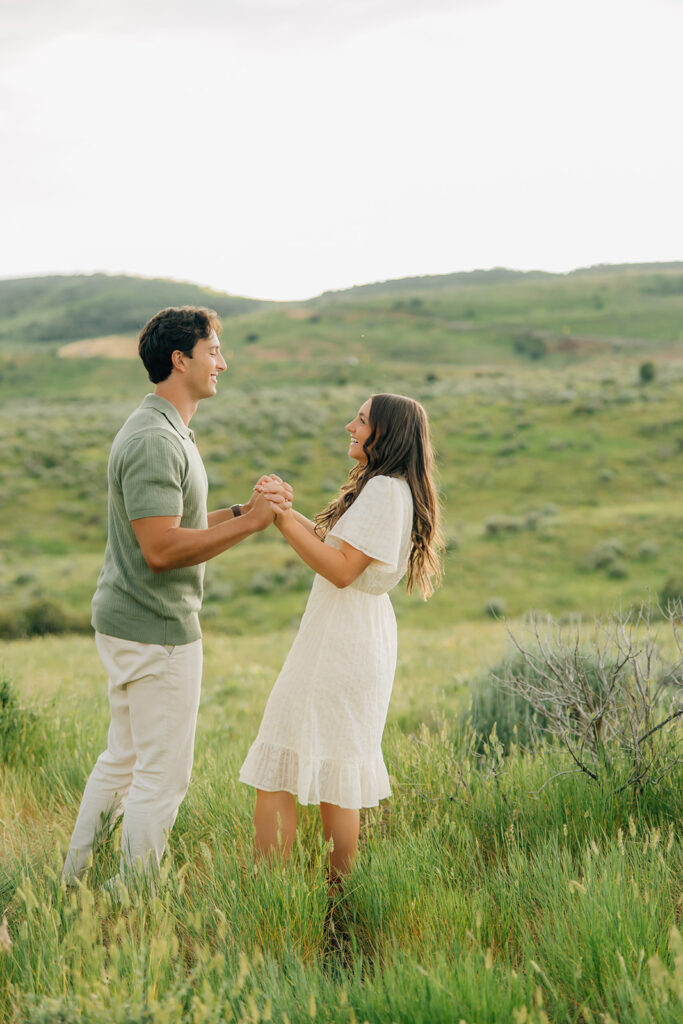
[(498, 275), (484, 318), (452, 313), (560, 463), (66, 308)]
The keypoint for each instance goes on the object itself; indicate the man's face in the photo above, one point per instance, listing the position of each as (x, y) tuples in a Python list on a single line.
[(203, 368)]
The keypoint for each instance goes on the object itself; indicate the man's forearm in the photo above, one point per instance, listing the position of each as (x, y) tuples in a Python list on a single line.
[(178, 547), (220, 515)]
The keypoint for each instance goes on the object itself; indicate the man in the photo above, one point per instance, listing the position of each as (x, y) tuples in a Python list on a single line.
[(146, 606)]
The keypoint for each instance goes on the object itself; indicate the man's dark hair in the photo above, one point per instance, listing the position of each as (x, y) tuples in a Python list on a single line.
[(175, 328)]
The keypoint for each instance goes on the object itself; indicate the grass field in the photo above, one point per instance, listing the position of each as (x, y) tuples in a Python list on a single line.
[(483, 892), (537, 469), (495, 885)]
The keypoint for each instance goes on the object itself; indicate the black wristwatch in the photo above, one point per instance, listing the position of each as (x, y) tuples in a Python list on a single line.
[(236, 510)]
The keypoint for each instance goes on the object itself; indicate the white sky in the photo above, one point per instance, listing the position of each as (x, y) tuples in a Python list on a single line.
[(278, 148)]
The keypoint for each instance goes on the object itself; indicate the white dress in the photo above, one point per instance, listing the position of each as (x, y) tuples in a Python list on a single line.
[(321, 733)]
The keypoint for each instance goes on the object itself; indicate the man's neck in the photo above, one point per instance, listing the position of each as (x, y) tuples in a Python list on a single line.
[(186, 406)]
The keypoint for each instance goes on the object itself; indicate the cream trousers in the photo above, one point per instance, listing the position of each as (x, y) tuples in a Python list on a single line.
[(145, 770)]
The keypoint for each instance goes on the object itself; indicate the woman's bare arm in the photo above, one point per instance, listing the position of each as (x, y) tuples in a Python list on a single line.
[(310, 526), (340, 566)]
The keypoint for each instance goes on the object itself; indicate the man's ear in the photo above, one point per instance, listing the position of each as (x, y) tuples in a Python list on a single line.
[(178, 360)]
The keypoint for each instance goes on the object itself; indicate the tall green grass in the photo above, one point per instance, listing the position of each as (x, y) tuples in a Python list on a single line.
[(486, 889)]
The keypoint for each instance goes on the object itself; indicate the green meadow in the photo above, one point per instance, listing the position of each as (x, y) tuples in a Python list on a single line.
[(497, 884)]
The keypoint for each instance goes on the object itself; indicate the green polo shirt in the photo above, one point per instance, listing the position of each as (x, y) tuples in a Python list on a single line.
[(154, 469)]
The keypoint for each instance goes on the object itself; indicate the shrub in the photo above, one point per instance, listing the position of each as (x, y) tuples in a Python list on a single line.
[(615, 705), (40, 618), (531, 518), (20, 739), (261, 583), (587, 408), (647, 372), (671, 593), (495, 607), (292, 576), (303, 455), (11, 625), (492, 705), (511, 448), (604, 555), (495, 525), (648, 549), (44, 616), (451, 541), (25, 577), (216, 591), (530, 345)]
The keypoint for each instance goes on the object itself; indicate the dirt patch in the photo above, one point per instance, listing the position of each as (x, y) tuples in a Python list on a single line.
[(298, 314), (112, 346)]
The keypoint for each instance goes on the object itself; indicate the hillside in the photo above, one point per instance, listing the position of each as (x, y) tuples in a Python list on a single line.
[(481, 319), (454, 313), (559, 462), (497, 275), (67, 308)]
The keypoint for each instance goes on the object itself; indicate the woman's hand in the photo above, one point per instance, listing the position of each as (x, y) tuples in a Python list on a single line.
[(278, 492)]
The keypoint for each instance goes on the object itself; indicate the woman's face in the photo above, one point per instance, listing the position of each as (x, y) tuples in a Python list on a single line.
[(360, 431)]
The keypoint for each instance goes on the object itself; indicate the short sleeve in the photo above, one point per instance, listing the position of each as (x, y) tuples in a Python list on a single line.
[(378, 521), (151, 476)]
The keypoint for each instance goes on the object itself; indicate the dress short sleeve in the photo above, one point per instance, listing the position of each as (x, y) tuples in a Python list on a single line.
[(380, 520), (151, 476)]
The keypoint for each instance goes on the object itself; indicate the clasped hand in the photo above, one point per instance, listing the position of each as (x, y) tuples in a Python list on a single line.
[(277, 492)]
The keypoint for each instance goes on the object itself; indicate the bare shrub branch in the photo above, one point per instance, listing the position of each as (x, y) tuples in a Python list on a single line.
[(610, 695)]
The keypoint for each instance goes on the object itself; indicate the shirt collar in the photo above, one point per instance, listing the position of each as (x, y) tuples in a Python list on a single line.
[(168, 410)]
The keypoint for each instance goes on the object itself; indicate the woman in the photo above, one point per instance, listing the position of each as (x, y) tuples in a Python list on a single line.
[(320, 738)]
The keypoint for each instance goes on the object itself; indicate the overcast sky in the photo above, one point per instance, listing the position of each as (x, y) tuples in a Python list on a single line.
[(279, 148)]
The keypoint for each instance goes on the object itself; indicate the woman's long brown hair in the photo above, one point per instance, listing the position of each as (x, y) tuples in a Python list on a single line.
[(399, 445)]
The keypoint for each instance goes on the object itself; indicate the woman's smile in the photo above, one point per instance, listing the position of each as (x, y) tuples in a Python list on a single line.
[(360, 430)]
